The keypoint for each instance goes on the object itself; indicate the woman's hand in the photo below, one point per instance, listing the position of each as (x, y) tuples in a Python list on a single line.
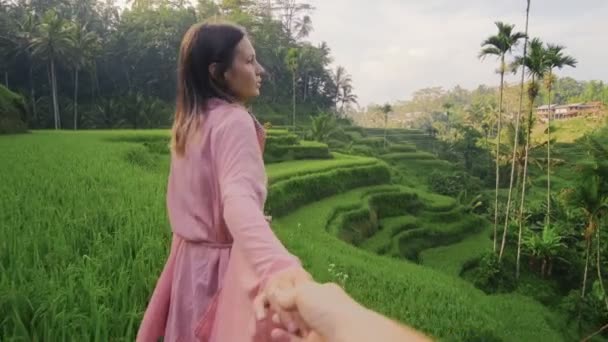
[(331, 315), (267, 298), (325, 308)]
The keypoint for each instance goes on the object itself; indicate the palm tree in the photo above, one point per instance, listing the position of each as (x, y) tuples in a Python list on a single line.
[(591, 196), (52, 43), (84, 45), (447, 106), (26, 30), (343, 92), (516, 140), (323, 126), (292, 61), (555, 59), (303, 27), (535, 62), (519, 151), (386, 109), (544, 247), (347, 97), (500, 45)]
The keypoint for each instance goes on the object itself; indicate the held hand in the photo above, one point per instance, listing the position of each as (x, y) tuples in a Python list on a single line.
[(332, 316), (267, 298), (324, 309)]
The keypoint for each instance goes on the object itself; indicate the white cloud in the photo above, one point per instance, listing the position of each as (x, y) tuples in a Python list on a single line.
[(393, 47)]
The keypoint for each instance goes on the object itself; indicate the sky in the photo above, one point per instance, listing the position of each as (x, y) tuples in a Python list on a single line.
[(394, 47)]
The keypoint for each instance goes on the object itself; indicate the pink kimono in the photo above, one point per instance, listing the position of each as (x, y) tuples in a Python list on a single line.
[(223, 250)]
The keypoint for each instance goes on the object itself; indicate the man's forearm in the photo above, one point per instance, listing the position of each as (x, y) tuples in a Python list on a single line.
[(367, 325)]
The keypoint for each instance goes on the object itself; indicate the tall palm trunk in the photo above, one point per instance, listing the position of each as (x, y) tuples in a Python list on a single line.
[(599, 263), (293, 101), (502, 83), (33, 94), (385, 129), (584, 286), (489, 152), (516, 140), (548, 218), (515, 145), (520, 218), (76, 99), (96, 76), (587, 252), (6, 78), (54, 91)]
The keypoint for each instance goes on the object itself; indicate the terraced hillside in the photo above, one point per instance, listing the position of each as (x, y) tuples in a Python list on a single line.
[(406, 223), (84, 213), (408, 151)]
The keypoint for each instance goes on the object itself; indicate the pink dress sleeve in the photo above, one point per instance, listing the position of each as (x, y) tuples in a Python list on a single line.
[(242, 181)]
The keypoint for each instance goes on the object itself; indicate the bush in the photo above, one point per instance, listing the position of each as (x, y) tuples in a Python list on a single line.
[(306, 150), (453, 184), (140, 138), (539, 289), (402, 148), (159, 147), (290, 194), (357, 129), (333, 143), (592, 307), (357, 225), (353, 135), (141, 157), (375, 142), (492, 276), (409, 156), (13, 112), (429, 235), (281, 139), (278, 130), (395, 204), (362, 150)]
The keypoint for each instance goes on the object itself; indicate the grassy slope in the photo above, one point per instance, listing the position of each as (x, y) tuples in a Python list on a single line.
[(280, 171), (567, 131), (451, 258), (91, 219), (445, 306)]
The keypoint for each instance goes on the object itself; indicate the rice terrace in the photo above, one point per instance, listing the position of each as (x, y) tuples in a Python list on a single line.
[(470, 213)]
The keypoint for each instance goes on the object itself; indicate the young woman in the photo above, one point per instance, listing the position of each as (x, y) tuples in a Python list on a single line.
[(223, 252)]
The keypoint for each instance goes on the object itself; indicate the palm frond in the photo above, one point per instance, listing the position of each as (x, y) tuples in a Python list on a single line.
[(490, 50)]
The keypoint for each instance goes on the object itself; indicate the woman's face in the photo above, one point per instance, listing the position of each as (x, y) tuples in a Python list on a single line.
[(244, 77)]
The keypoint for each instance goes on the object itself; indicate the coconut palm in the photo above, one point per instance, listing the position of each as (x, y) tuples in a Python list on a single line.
[(323, 126), (386, 109), (52, 43), (536, 64), (544, 247), (591, 196), (84, 46), (292, 61), (447, 106), (519, 151), (555, 59), (343, 91), (347, 97), (500, 45), (303, 27), (516, 134), (26, 31)]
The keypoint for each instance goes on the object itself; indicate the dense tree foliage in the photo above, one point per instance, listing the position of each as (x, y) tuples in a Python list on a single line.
[(93, 64)]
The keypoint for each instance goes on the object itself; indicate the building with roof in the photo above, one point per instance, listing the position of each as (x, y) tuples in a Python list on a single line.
[(568, 111)]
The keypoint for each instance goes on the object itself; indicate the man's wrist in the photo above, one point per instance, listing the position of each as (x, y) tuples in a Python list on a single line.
[(353, 324)]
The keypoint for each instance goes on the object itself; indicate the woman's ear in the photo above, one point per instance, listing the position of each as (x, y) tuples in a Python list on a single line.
[(213, 68)]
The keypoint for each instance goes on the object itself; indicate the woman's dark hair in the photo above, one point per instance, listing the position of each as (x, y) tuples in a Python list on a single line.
[(202, 46)]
